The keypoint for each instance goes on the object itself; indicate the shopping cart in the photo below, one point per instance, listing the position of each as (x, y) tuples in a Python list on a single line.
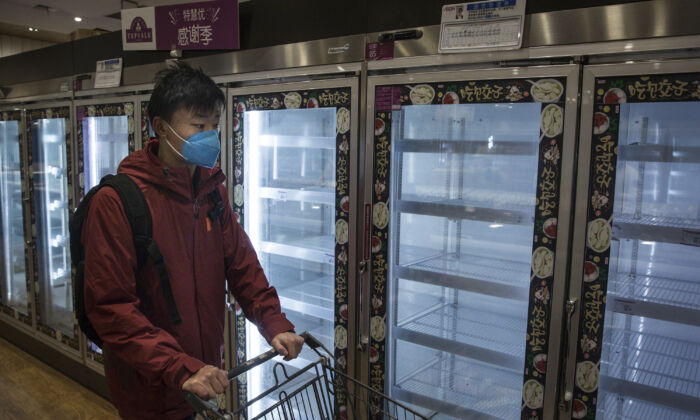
[(314, 392)]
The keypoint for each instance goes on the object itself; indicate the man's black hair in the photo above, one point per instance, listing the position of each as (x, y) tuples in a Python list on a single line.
[(183, 86)]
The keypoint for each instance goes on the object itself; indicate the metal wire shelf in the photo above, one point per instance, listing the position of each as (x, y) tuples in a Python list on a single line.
[(614, 406), (484, 198), (466, 209), (464, 388), (312, 248), (656, 361), (659, 153), (304, 291), (681, 293), (657, 228), (485, 275), (473, 332), (659, 221)]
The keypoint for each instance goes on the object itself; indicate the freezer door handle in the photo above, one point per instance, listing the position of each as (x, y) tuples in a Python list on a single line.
[(363, 338), (566, 393)]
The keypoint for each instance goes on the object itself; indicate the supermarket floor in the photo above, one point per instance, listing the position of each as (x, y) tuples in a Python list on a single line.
[(30, 389)]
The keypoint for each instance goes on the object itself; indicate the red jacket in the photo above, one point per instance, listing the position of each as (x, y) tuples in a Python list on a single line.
[(147, 358)]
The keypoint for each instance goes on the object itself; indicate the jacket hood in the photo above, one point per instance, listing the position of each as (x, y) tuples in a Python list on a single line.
[(145, 166)]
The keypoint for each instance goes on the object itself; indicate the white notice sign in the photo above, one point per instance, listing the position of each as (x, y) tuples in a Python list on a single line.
[(484, 25), (108, 73)]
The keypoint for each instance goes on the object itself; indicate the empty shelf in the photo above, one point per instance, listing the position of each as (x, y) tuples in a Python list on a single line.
[(654, 368), (322, 196), (659, 229), (680, 293), (490, 276), (480, 197), (468, 147), (467, 209), (659, 298), (618, 407), (308, 142), (314, 248), (463, 389), (311, 297), (490, 337), (659, 153)]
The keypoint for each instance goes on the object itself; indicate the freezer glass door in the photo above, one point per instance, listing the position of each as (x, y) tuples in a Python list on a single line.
[(105, 136), (290, 158), (49, 159), (463, 242), (643, 247), (14, 275), (463, 201), (105, 143)]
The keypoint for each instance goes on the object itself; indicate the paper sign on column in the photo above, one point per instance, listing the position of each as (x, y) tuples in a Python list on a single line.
[(108, 73), (480, 26)]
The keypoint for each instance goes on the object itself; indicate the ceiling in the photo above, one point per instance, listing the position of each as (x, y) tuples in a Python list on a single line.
[(54, 19)]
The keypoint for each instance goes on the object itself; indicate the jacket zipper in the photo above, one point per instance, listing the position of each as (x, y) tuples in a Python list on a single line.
[(196, 208)]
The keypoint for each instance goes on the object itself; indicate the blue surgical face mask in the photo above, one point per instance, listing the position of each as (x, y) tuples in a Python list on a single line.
[(201, 149)]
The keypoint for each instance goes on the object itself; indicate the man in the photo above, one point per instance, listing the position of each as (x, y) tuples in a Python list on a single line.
[(149, 361)]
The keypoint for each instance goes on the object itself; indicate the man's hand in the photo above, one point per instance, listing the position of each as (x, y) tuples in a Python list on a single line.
[(288, 344), (207, 382)]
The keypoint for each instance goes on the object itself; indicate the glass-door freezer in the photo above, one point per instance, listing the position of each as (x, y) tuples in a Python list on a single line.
[(470, 202), (105, 134), (292, 159), (637, 245), (14, 281), (50, 158)]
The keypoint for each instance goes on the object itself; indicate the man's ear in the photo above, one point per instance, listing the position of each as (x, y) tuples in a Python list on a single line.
[(159, 127)]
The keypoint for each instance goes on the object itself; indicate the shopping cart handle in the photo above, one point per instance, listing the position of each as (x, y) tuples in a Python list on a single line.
[(250, 364), (309, 340), (200, 406)]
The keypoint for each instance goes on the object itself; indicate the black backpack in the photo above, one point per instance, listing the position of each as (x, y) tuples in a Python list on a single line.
[(139, 216)]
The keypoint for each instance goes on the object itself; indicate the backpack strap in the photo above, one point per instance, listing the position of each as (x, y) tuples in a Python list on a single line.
[(218, 209), (136, 209), (159, 264), (139, 215)]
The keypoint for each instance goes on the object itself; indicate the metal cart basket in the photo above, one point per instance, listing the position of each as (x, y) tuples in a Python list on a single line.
[(310, 393)]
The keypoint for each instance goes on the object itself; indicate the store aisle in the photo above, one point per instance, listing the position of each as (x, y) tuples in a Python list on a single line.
[(30, 389)]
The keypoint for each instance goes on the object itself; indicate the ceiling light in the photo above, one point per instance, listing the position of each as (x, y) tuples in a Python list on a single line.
[(78, 19), (31, 29)]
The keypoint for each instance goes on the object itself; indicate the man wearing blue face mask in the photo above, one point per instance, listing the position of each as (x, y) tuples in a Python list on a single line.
[(150, 358)]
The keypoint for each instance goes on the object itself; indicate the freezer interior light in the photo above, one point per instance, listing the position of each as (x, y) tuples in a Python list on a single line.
[(495, 225)]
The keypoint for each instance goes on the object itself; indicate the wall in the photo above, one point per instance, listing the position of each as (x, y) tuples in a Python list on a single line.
[(10, 45)]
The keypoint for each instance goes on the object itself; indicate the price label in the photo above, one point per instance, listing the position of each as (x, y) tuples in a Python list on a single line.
[(330, 258), (482, 25), (282, 195), (691, 237), (625, 306), (108, 73)]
